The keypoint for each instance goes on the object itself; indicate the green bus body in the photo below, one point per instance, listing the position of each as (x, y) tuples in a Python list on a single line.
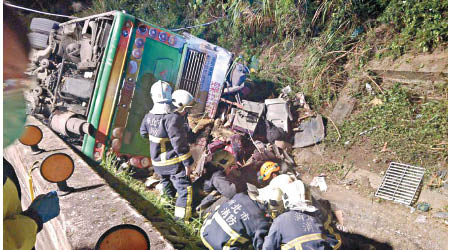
[(137, 55)]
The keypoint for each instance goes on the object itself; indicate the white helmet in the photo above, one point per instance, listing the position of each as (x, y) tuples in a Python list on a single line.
[(270, 196), (294, 197), (161, 92), (182, 99)]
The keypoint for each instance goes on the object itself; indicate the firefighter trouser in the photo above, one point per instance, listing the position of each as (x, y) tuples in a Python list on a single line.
[(181, 184)]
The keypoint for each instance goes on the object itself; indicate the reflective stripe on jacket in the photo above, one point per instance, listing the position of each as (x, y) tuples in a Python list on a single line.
[(237, 222), (168, 139), (19, 231), (300, 230)]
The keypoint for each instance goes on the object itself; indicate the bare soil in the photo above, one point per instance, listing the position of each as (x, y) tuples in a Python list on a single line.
[(355, 171), (351, 190)]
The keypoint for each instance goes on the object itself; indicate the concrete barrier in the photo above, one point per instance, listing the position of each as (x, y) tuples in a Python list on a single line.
[(86, 213)]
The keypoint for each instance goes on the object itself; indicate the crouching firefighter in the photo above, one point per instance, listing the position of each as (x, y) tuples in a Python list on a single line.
[(169, 149), (214, 179), (300, 227), (240, 222)]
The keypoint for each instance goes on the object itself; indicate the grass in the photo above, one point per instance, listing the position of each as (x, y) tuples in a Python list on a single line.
[(334, 171), (325, 30), (420, 24), (277, 31), (168, 14), (413, 132), (159, 210)]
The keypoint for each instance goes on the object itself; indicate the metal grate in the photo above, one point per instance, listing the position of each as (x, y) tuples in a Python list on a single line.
[(401, 183), (190, 78)]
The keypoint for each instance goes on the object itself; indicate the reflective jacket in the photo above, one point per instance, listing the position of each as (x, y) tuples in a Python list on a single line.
[(238, 222), (168, 141), (19, 229), (300, 230)]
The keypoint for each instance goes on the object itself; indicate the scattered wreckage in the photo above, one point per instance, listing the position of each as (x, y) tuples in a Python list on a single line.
[(93, 80), (94, 74)]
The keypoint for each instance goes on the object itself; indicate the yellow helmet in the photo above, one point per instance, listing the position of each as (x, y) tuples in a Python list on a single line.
[(267, 169)]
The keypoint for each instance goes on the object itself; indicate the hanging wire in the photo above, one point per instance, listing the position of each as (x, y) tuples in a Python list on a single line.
[(199, 25), (73, 17), (37, 11)]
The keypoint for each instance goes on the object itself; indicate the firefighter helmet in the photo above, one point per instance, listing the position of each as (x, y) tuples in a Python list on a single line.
[(269, 196), (161, 92), (276, 206), (267, 169), (182, 99), (295, 197)]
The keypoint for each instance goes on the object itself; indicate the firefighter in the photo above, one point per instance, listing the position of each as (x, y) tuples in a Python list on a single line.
[(20, 228), (268, 171), (300, 227), (169, 149), (184, 101), (214, 179), (239, 222)]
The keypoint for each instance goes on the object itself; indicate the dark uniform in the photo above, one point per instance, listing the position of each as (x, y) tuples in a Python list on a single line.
[(237, 223), (301, 230), (170, 155), (213, 179)]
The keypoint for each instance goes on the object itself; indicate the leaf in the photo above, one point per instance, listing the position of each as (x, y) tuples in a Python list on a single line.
[(376, 102)]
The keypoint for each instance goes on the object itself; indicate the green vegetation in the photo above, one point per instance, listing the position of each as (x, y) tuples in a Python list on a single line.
[(413, 132), (321, 30), (336, 172), (151, 205), (330, 33), (165, 13), (421, 24), (316, 47)]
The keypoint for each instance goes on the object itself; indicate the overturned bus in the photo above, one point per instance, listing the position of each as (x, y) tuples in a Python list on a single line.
[(94, 76)]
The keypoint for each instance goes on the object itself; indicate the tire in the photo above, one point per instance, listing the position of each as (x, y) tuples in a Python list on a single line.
[(43, 25), (38, 40)]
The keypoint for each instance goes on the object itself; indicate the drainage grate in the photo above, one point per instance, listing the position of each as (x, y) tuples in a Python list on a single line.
[(401, 183)]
